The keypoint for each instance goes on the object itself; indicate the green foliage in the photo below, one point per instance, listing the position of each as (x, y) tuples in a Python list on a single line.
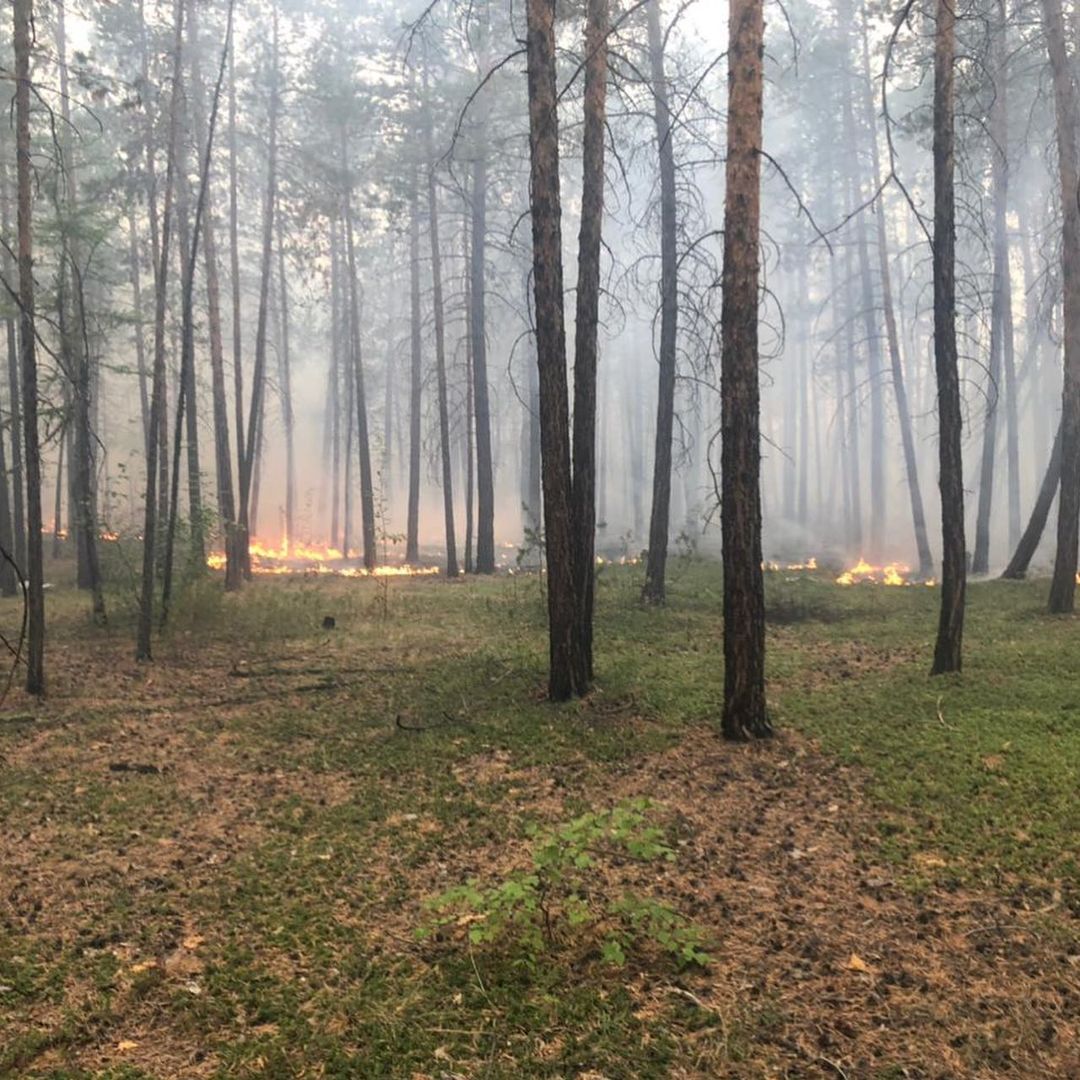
[(556, 899)]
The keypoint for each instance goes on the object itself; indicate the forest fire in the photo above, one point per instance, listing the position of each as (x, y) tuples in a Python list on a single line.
[(862, 573), (299, 558)]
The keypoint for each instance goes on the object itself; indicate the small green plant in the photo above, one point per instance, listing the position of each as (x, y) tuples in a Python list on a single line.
[(561, 897)]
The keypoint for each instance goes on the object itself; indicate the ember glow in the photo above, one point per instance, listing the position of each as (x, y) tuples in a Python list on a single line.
[(298, 558)]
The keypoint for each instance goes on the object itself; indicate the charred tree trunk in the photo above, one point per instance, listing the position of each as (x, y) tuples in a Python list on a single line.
[(583, 490), (1063, 585), (660, 522), (412, 528), (568, 674), (948, 655), (744, 713)]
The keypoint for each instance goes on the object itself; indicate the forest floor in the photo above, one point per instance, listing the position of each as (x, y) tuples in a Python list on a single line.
[(221, 864)]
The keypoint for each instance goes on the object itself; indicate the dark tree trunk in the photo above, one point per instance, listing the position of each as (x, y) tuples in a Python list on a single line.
[(892, 337), (440, 348), (335, 389), (660, 522), (240, 539), (18, 488), (285, 381), (412, 528), (222, 445), (534, 500), (485, 476), (367, 487), (568, 674), (467, 461), (157, 390), (8, 583), (35, 644), (1002, 297), (137, 304), (1029, 541), (948, 652), (1063, 585), (744, 714), (583, 490), (258, 375)]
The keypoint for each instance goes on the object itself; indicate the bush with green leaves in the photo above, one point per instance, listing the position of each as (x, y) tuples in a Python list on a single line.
[(560, 899)]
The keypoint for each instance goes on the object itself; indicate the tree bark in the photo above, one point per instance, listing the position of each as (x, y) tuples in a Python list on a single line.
[(1029, 541), (660, 521), (744, 713), (285, 381), (222, 445), (1002, 297), (485, 476), (412, 528), (948, 654), (143, 649), (568, 673), (892, 337), (240, 537), (586, 348), (367, 488), (258, 375), (35, 645), (1063, 584), (440, 344)]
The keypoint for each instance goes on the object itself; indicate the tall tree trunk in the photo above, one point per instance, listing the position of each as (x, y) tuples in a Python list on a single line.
[(18, 487), (412, 529), (8, 583), (240, 539), (258, 375), (469, 403), (75, 346), (335, 388), (660, 524), (892, 335), (1063, 585), (222, 445), (285, 382), (948, 654), (485, 475), (157, 390), (367, 488), (137, 305), (999, 133), (568, 674), (744, 586), (440, 344), (583, 490), (35, 646)]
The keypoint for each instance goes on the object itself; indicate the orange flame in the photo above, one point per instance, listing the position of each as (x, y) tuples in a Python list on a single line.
[(863, 573), (298, 558)]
